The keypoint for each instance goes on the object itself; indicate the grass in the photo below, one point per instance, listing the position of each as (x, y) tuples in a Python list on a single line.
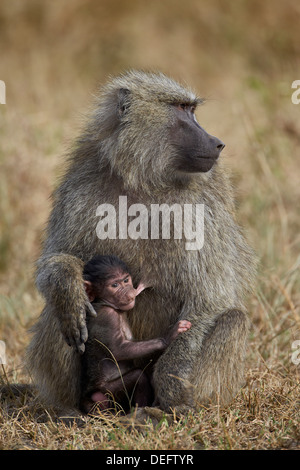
[(249, 423), (243, 57)]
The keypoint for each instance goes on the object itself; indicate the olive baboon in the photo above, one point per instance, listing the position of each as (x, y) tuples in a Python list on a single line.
[(108, 373), (144, 142)]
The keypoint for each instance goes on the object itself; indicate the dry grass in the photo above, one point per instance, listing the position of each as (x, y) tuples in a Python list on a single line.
[(243, 57)]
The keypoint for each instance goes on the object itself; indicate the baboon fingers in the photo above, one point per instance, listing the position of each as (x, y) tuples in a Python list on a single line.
[(77, 335), (90, 310), (80, 347), (80, 336), (83, 334), (76, 341)]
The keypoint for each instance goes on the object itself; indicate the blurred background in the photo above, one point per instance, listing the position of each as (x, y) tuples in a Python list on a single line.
[(241, 55)]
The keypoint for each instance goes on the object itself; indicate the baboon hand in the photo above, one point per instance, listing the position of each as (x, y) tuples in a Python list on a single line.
[(90, 310), (74, 326), (180, 327)]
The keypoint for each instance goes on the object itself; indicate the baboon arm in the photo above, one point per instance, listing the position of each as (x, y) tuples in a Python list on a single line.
[(136, 349), (201, 363), (114, 336), (59, 279), (174, 368)]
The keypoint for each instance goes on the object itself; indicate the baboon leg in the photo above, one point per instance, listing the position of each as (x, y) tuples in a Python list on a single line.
[(53, 365), (99, 398), (210, 372), (219, 371), (143, 395), (133, 388)]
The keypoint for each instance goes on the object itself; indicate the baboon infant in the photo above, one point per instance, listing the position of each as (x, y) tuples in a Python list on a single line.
[(108, 372)]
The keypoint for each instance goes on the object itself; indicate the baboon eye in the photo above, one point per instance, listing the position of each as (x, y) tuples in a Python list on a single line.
[(115, 284), (186, 107), (182, 106)]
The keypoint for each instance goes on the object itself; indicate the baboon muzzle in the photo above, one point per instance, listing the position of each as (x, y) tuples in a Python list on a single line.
[(126, 295)]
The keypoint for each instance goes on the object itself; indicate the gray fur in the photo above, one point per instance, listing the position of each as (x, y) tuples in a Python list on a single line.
[(125, 150)]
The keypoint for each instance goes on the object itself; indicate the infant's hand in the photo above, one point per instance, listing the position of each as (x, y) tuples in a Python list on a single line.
[(183, 325), (180, 327)]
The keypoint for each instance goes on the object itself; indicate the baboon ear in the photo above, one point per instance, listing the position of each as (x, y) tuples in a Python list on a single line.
[(123, 101), (89, 290)]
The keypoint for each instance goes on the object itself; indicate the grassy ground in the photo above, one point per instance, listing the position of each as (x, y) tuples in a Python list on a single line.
[(243, 57)]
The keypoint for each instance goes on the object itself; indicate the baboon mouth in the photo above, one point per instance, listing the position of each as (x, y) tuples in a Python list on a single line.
[(207, 163), (213, 159), (127, 304), (198, 164)]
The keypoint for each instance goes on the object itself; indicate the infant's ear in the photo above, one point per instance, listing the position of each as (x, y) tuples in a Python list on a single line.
[(89, 290)]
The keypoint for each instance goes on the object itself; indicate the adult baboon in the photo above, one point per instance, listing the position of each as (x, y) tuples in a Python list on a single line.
[(143, 142)]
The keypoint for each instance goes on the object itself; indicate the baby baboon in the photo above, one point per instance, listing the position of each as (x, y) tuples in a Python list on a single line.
[(144, 142), (108, 372)]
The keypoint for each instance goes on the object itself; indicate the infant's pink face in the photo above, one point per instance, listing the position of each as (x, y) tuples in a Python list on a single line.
[(119, 291)]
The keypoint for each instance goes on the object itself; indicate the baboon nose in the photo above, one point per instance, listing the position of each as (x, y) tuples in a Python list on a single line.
[(216, 146), (220, 146), (130, 298)]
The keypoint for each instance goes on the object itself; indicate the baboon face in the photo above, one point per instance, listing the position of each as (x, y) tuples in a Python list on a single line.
[(156, 137), (195, 149), (119, 291)]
